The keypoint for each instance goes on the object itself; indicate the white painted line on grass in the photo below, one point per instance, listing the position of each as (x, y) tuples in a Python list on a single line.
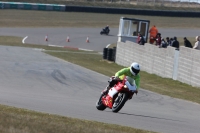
[(107, 45), (39, 49), (85, 49), (55, 46), (23, 41)]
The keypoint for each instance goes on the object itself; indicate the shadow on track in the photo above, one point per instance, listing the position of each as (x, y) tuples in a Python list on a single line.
[(146, 116)]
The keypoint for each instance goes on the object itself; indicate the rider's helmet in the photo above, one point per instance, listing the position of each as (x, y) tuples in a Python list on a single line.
[(135, 68)]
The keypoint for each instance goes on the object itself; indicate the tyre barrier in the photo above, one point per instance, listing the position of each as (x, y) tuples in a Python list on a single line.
[(114, 54), (105, 53), (109, 54)]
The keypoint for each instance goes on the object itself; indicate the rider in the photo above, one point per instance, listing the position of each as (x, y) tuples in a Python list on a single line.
[(132, 74), (106, 28)]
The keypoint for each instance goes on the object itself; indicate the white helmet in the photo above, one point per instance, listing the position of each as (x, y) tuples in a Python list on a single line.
[(135, 68)]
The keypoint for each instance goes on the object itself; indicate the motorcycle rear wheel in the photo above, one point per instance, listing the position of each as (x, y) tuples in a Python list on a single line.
[(119, 102), (99, 104)]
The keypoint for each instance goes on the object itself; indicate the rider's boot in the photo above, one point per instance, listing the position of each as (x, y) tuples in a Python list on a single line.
[(105, 91)]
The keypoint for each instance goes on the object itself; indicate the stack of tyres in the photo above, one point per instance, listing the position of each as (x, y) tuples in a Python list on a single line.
[(109, 54), (114, 54), (105, 50)]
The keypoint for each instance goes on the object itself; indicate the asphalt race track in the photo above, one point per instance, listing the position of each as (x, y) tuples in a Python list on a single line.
[(78, 36), (34, 80)]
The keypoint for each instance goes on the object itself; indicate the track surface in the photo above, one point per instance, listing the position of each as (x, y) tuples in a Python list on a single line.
[(34, 80), (77, 36)]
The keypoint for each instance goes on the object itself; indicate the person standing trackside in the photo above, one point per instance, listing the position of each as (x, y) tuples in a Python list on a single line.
[(158, 39), (153, 32), (187, 43), (175, 43), (138, 38), (197, 44), (168, 41), (141, 41)]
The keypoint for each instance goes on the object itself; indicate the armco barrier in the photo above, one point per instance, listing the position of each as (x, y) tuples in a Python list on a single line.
[(32, 6)]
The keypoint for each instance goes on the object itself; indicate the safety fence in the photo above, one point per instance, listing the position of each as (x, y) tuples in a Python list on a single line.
[(32, 6)]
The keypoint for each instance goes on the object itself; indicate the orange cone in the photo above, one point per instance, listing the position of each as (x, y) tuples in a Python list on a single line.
[(87, 40), (46, 38), (67, 39)]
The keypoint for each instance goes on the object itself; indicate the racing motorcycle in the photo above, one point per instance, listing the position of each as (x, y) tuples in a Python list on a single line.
[(116, 96), (104, 31)]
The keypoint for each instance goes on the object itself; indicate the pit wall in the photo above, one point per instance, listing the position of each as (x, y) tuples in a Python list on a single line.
[(182, 65)]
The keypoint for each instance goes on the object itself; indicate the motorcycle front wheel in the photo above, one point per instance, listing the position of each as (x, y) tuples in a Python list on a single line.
[(119, 102), (99, 104)]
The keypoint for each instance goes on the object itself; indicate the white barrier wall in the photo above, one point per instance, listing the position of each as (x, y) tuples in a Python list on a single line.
[(183, 65), (189, 66)]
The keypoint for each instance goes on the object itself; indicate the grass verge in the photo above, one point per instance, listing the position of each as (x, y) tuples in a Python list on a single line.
[(22, 18), (16, 120)]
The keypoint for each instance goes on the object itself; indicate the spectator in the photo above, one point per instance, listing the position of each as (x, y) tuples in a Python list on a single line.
[(175, 43), (197, 44), (158, 39), (168, 41), (187, 43), (171, 41), (163, 43), (142, 41), (153, 32)]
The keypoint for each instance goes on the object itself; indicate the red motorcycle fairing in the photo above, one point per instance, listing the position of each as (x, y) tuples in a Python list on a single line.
[(120, 86), (107, 101)]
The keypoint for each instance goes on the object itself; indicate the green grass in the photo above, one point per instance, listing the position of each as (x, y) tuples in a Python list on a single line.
[(22, 18), (16, 120)]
